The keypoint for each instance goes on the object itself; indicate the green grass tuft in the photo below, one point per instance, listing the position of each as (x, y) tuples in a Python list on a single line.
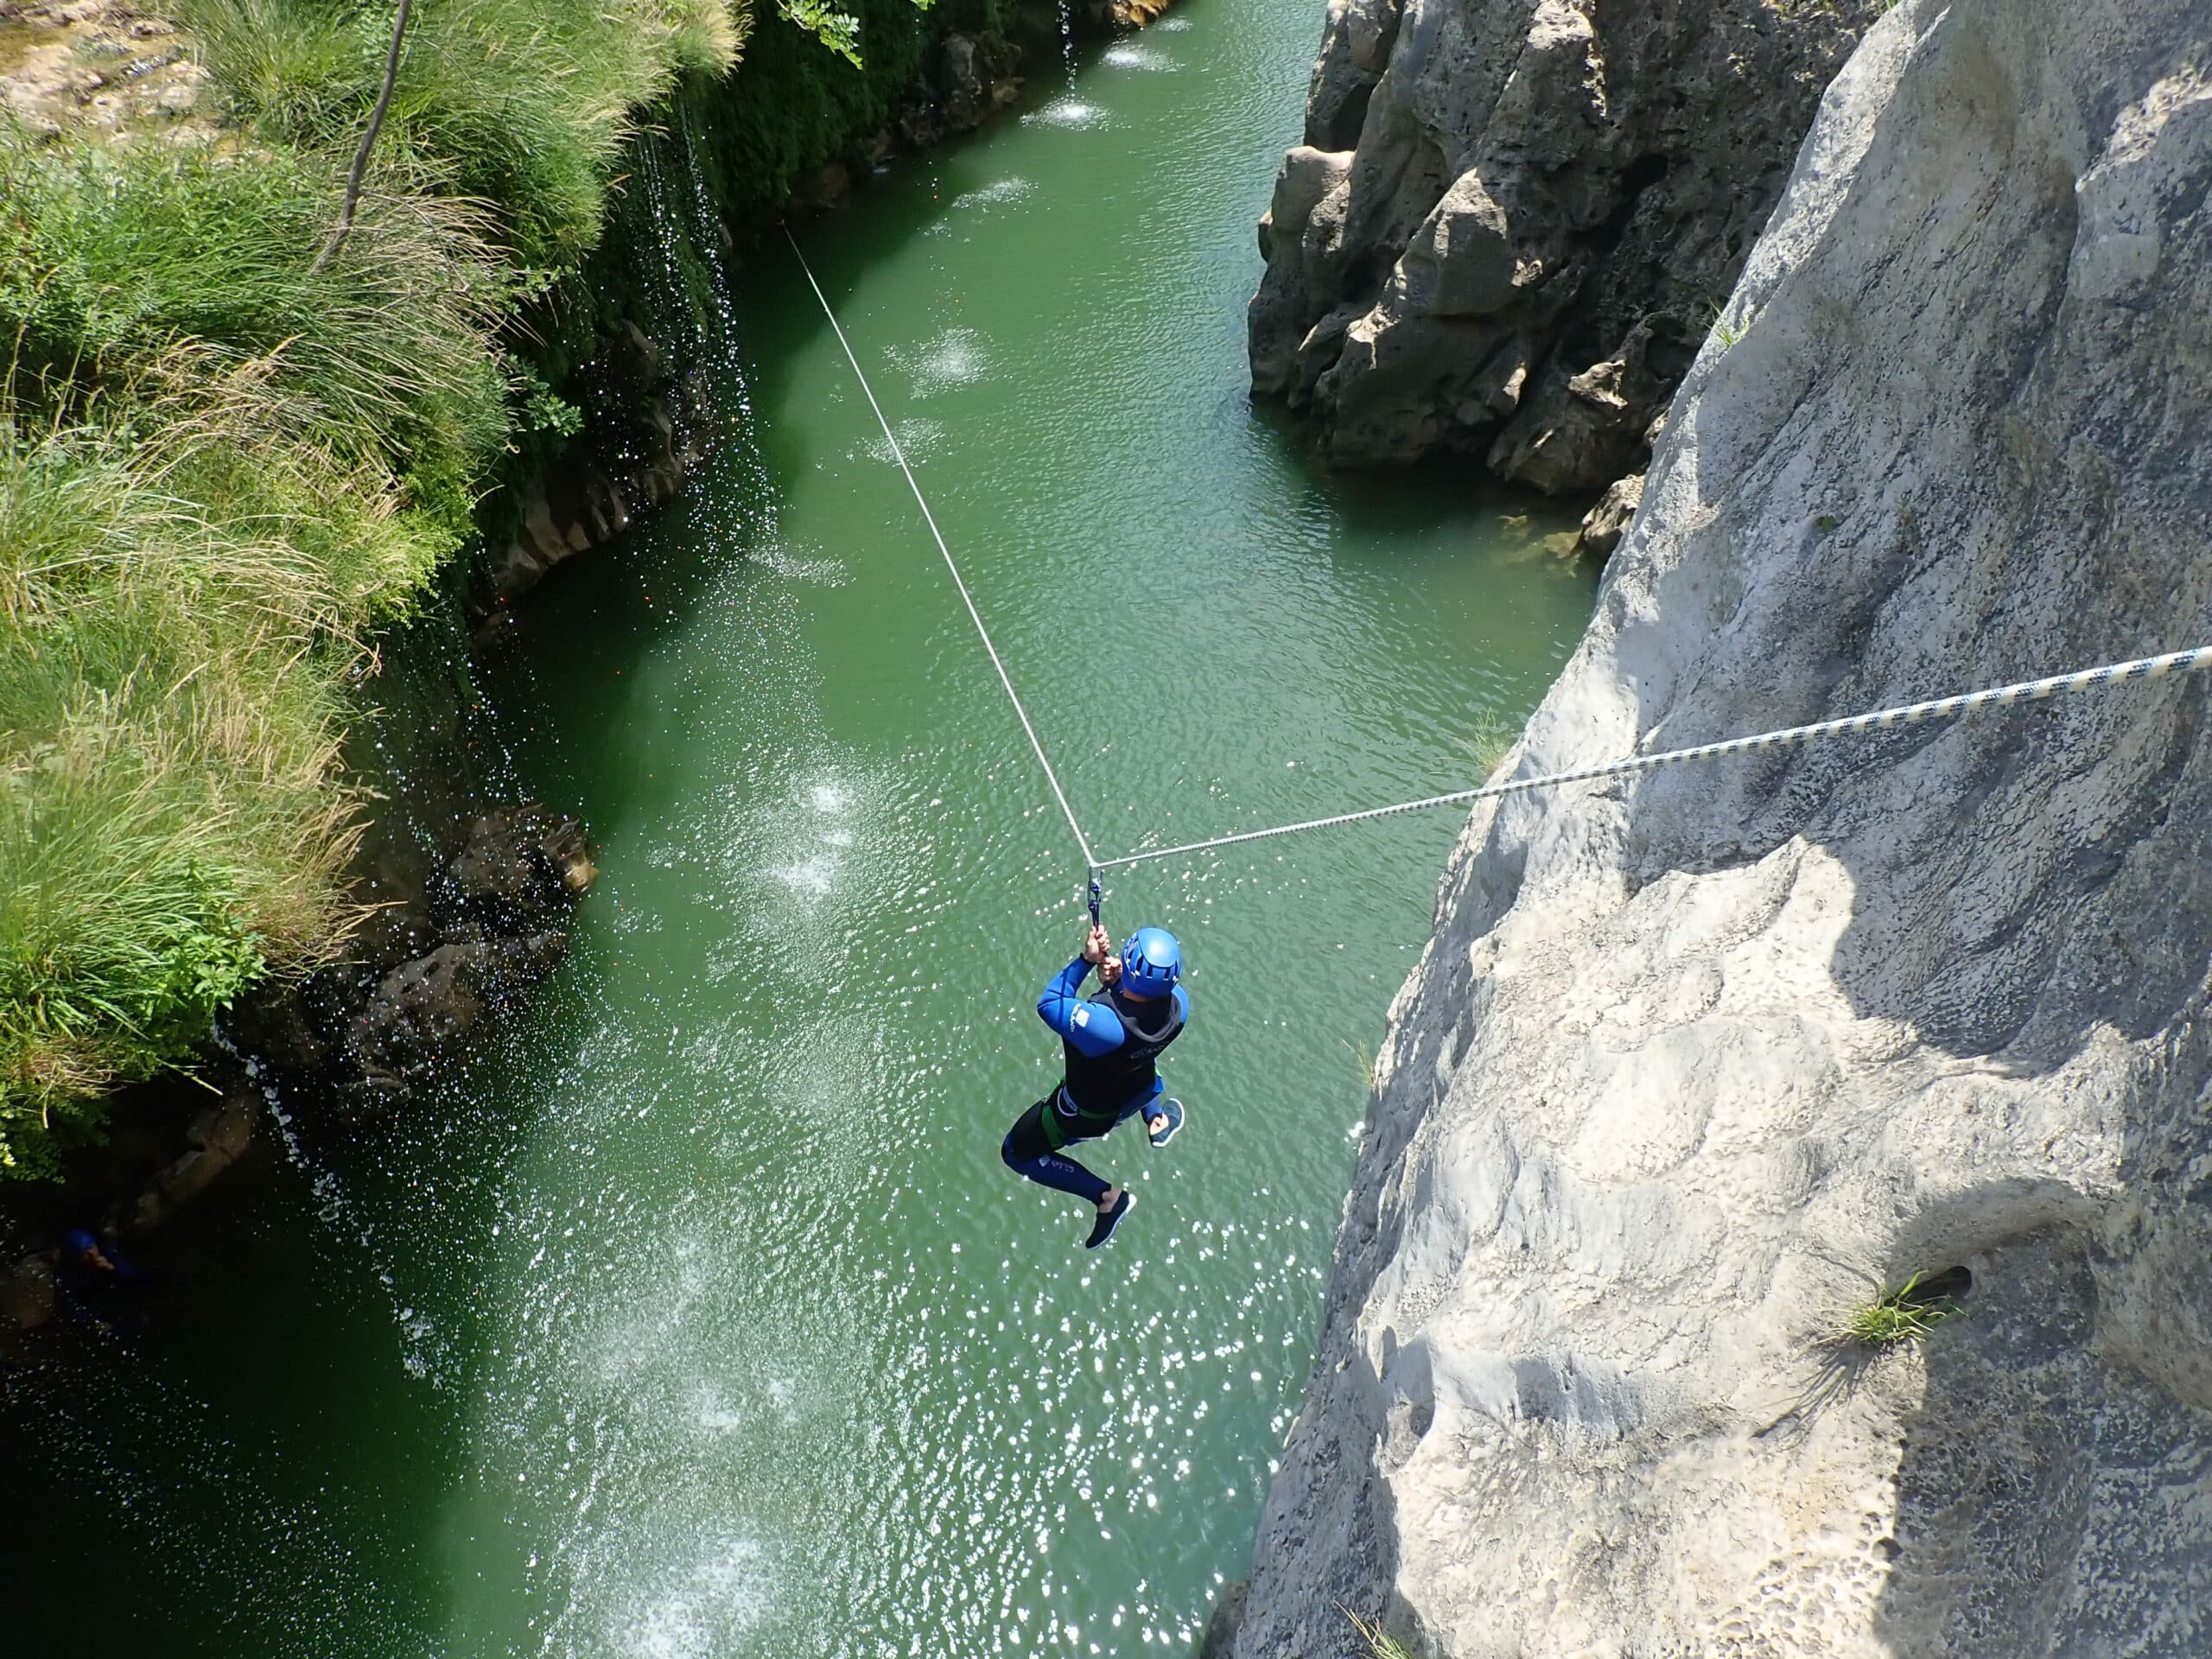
[(522, 104), (1378, 1644), (1906, 1314), (1724, 331), (1490, 742)]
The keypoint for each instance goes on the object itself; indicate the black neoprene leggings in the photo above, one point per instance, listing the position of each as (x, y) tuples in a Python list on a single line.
[(1032, 1147)]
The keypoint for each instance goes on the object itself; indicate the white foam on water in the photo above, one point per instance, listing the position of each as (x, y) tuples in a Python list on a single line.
[(815, 875), (916, 436), (1172, 25), (1066, 112), (715, 1414), (954, 359), (699, 1607), (982, 202), (646, 1397), (811, 571), (997, 194), (1130, 55)]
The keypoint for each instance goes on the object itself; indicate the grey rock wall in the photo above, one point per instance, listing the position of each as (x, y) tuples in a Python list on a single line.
[(1509, 220), (1695, 1063)]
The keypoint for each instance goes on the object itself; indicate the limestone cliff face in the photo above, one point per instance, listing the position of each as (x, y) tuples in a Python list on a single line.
[(1511, 219), (1694, 1064)]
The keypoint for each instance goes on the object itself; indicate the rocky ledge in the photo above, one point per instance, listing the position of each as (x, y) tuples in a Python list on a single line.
[(1511, 220), (359, 1039), (1697, 1066)]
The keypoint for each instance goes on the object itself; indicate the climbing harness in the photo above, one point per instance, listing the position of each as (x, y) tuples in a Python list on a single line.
[(1879, 720)]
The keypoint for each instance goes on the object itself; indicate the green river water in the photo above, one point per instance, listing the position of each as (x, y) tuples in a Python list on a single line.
[(703, 1319)]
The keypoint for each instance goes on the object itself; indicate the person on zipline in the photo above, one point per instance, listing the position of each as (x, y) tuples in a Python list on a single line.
[(1111, 1047)]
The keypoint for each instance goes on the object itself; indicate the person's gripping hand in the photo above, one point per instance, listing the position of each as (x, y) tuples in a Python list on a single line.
[(1098, 949)]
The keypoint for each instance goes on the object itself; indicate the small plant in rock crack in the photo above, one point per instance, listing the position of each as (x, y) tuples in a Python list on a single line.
[(1907, 1313), (1724, 331), (1372, 1636), (1489, 741)]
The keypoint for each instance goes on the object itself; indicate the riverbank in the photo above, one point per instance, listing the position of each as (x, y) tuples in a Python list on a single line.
[(237, 447)]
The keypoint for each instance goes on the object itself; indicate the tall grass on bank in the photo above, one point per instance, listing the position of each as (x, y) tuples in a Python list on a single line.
[(222, 468), (110, 261), (177, 610), (523, 103)]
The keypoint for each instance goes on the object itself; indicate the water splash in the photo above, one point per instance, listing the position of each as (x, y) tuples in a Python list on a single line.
[(954, 358), (1131, 54), (998, 194), (1072, 113), (918, 436)]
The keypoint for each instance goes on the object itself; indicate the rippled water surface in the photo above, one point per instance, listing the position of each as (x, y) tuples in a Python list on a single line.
[(705, 1319)]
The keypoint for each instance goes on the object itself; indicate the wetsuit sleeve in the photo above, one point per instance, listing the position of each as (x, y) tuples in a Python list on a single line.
[(1093, 1027)]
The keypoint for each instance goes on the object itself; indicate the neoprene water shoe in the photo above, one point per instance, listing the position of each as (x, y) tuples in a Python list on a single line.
[(1171, 1110), (1102, 1229)]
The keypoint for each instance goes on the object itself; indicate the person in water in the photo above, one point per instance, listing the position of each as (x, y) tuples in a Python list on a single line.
[(1111, 1047), (99, 1287)]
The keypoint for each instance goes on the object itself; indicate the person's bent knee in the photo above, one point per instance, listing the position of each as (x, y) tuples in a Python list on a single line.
[(1011, 1158)]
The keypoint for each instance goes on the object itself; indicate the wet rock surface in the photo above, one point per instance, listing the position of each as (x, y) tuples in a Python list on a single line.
[(1509, 223), (103, 67), (650, 419), (1696, 1065), (646, 394), (356, 1040)]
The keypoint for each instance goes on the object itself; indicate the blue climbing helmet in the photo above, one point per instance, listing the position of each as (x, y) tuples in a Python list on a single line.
[(1151, 963)]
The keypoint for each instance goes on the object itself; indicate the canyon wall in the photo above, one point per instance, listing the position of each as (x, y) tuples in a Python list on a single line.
[(1509, 220), (1698, 1064)]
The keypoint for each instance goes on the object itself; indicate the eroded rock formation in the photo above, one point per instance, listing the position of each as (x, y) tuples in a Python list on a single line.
[(651, 422), (1511, 219), (1696, 1065), (357, 1040)]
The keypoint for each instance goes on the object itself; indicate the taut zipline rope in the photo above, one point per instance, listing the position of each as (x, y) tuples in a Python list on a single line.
[(928, 518), (1910, 713)]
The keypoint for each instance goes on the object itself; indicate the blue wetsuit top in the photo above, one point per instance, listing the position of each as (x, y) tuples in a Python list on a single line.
[(1110, 1047)]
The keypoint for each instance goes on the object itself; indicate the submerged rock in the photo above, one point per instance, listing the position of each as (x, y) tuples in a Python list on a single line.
[(1509, 223), (215, 1139), (1697, 1064)]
